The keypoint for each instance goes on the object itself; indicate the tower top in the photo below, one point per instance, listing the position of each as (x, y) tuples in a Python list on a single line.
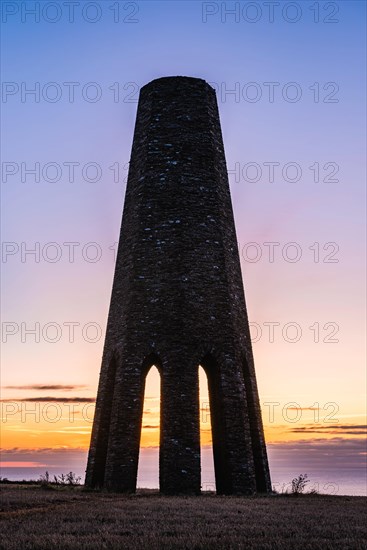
[(169, 81)]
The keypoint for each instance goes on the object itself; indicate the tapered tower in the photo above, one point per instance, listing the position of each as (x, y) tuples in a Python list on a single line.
[(178, 302)]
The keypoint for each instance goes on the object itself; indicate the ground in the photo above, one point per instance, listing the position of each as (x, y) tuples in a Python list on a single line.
[(71, 518)]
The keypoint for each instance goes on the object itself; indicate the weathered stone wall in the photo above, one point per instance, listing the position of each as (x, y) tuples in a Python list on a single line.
[(177, 302)]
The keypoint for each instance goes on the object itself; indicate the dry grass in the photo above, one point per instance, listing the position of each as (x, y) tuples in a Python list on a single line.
[(70, 518)]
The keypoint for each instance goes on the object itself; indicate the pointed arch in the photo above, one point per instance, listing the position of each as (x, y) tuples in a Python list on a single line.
[(152, 359), (206, 435), (148, 462)]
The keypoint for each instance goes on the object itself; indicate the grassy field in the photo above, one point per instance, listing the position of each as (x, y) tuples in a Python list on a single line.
[(70, 518)]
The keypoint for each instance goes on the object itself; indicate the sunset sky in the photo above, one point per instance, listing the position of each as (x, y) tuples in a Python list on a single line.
[(290, 88)]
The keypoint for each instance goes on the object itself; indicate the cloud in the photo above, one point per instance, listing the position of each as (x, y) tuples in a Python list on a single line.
[(20, 464), (303, 408), (147, 426), (50, 399), (63, 457), (47, 387), (351, 429), (42, 450)]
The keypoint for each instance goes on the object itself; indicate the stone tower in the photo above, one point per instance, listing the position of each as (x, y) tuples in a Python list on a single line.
[(177, 303)]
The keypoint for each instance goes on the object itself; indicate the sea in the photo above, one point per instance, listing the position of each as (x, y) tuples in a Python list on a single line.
[(335, 478)]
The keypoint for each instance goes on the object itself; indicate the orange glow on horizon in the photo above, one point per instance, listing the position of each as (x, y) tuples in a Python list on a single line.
[(41, 424), (75, 432)]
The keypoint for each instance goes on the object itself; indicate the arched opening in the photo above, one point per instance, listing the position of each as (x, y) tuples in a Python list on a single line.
[(206, 438), (148, 465)]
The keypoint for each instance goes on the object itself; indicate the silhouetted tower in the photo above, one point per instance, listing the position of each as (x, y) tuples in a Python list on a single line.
[(177, 303)]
